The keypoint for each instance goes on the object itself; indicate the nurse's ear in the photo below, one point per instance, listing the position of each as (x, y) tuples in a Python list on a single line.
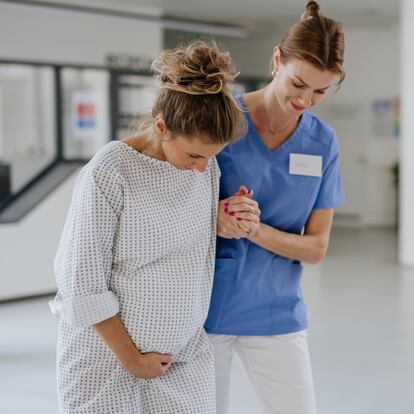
[(276, 61)]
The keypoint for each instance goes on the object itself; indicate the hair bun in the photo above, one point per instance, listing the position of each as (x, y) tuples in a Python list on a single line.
[(199, 68), (312, 10)]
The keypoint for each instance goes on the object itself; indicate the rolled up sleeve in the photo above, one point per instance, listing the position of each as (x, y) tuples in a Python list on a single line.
[(82, 311), (83, 261)]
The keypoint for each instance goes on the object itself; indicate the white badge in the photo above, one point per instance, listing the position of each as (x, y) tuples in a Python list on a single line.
[(303, 164)]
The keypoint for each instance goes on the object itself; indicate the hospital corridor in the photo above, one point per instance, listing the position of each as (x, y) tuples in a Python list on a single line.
[(206, 207)]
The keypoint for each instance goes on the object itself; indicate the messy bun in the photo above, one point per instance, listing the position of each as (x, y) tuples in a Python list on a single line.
[(194, 99), (198, 69), (312, 10)]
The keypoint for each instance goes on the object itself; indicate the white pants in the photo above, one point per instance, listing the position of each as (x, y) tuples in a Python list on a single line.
[(278, 367)]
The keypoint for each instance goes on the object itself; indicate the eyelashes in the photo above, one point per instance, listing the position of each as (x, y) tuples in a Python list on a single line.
[(303, 86), (298, 86)]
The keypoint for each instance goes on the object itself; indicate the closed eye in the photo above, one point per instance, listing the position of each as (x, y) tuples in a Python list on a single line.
[(298, 86), (303, 86)]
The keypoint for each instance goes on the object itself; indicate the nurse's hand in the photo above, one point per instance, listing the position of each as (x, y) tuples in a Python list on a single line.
[(227, 226), (249, 224), (150, 365), (239, 215)]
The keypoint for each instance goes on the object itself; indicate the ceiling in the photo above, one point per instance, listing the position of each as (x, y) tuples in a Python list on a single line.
[(252, 13), (239, 11)]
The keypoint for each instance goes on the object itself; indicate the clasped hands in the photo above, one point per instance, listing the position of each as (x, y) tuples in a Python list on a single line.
[(238, 215)]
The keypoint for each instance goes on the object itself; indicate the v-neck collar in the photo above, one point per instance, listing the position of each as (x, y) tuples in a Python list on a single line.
[(281, 149)]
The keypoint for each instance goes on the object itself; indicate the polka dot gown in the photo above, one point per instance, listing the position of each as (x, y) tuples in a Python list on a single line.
[(139, 240)]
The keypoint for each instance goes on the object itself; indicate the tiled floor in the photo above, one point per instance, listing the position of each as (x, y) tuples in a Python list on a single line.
[(361, 306)]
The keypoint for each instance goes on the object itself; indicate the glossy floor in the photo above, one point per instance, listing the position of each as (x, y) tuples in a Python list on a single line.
[(361, 307)]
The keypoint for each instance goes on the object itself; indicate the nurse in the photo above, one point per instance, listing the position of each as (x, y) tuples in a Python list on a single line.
[(288, 162)]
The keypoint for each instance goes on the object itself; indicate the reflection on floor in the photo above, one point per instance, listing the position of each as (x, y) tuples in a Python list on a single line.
[(361, 336)]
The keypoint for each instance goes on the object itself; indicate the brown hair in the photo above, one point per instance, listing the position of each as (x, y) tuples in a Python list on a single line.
[(194, 98), (315, 39)]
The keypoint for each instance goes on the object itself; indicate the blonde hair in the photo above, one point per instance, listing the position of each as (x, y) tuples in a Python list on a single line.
[(315, 39), (194, 98)]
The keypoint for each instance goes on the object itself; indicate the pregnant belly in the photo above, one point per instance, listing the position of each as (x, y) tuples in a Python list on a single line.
[(161, 322)]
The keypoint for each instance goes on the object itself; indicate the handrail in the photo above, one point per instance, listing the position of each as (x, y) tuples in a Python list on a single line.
[(16, 206)]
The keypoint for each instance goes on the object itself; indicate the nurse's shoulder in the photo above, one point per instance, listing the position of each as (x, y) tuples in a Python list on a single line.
[(320, 131)]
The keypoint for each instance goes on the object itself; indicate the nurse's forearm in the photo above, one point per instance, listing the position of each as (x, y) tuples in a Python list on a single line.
[(306, 248)]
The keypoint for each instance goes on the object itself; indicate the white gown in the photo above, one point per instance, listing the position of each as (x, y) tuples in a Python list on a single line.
[(139, 240)]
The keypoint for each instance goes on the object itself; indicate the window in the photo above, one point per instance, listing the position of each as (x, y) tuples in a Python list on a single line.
[(27, 124)]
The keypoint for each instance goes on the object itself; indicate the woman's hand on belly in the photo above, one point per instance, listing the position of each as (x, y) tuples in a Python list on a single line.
[(150, 365), (142, 365)]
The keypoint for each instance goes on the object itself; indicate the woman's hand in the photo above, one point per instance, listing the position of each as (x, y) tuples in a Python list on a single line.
[(239, 215), (150, 365)]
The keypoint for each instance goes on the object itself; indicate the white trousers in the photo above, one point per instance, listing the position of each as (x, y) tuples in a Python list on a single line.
[(278, 368)]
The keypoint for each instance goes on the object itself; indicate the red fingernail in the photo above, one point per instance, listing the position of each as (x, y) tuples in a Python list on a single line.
[(238, 218), (232, 213), (226, 203), (226, 210)]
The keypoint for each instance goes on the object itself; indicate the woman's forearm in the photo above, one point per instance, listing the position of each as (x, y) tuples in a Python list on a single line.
[(113, 332), (305, 248)]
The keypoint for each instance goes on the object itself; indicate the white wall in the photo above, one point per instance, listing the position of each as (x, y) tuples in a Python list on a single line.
[(27, 248), (36, 33), (406, 251)]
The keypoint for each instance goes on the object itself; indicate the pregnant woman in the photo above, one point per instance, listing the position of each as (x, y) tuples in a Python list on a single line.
[(135, 263)]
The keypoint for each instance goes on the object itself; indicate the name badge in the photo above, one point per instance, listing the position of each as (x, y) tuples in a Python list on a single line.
[(303, 164)]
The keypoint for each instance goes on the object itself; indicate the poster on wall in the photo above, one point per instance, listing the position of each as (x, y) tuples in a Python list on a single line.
[(85, 114), (386, 118)]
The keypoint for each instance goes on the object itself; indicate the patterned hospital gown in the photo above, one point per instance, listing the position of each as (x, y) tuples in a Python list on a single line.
[(139, 240)]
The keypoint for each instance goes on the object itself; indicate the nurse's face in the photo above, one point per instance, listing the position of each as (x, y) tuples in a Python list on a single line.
[(186, 153), (298, 85)]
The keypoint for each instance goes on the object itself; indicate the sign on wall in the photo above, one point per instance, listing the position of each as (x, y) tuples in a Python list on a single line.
[(85, 113), (386, 118)]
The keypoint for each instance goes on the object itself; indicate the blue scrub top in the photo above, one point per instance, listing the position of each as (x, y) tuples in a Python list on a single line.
[(256, 292)]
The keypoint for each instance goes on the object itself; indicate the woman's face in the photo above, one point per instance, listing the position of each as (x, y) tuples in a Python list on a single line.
[(189, 153), (298, 85), (185, 153)]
